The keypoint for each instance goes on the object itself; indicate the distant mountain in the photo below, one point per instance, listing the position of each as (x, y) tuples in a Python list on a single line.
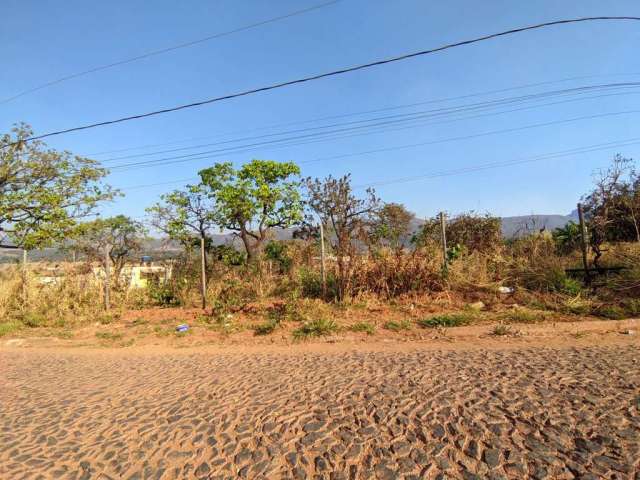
[(527, 224), (163, 248)]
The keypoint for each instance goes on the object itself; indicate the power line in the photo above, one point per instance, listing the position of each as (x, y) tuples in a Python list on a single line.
[(250, 147), (327, 74), (168, 49), (589, 148), (505, 163), (398, 118), (364, 112)]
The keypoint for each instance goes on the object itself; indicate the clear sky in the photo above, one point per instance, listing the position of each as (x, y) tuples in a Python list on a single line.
[(43, 41)]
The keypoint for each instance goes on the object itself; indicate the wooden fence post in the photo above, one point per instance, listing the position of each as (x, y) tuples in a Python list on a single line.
[(584, 242), (323, 270), (25, 289), (107, 278), (443, 236), (203, 273)]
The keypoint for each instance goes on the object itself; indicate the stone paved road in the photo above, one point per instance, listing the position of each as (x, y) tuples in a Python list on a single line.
[(527, 413)]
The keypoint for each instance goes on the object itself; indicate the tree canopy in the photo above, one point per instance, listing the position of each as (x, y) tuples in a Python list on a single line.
[(184, 215), (120, 236), (43, 192), (252, 200)]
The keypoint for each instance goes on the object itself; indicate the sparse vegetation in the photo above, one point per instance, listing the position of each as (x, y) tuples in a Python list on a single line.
[(397, 326), (374, 261), (522, 315), (447, 320), (315, 328), (109, 336), (265, 328), (363, 327), (9, 327)]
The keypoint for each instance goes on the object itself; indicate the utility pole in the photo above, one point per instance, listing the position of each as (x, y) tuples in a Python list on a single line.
[(203, 273), (443, 237), (584, 242), (107, 278), (25, 289), (323, 270)]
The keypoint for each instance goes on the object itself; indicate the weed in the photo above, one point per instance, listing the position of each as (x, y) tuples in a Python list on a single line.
[(162, 331), (65, 334), (107, 318), (446, 320), (265, 328), (109, 336), (397, 326), (365, 327), (501, 330), (611, 312), (9, 327), (315, 328), (33, 319), (521, 315)]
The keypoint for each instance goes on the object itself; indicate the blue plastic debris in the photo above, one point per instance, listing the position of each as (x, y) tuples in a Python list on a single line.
[(182, 327)]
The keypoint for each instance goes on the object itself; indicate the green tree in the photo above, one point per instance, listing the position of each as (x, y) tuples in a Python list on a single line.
[(185, 216), (391, 226), (470, 230), (43, 192), (254, 199), (120, 236)]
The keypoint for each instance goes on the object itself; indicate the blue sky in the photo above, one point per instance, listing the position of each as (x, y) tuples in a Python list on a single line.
[(42, 41)]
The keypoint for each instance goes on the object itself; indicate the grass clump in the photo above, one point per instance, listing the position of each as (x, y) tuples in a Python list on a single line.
[(611, 312), (397, 326), (109, 336), (315, 328), (265, 328), (33, 319), (521, 315), (446, 320), (9, 327), (364, 327), (502, 330)]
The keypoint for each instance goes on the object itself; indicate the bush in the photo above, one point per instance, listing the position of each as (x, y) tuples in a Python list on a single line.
[(521, 315), (397, 326), (278, 252), (163, 294), (228, 255), (9, 327), (611, 312), (33, 319), (447, 320), (363, 327), (315, 328), (265, 328)]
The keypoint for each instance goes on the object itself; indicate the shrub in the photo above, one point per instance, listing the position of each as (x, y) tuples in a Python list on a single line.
[(9, 327), (611, 312), (265, 328), (315, 328), (502, 330), (33, 319), (365, 327), (163, 294), (397, 326), (521, 315), (447, 320), (228, 255), (278, 252)]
